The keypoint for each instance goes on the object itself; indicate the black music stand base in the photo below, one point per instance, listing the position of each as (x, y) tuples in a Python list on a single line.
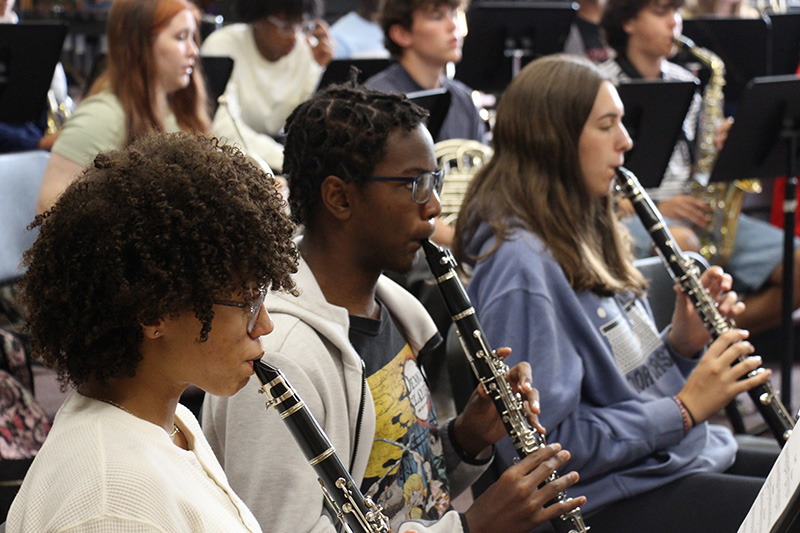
[(787, 303)]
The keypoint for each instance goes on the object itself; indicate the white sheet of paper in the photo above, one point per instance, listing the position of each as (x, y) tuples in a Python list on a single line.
[(778, 489)]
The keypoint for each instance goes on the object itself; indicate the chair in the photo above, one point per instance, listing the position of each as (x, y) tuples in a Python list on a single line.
[(20, 177), (660, 295), (217, 71)]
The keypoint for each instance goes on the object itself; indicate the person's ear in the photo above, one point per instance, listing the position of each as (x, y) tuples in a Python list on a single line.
[(335, 197), (400, 36), (627, 26), (153, 331)]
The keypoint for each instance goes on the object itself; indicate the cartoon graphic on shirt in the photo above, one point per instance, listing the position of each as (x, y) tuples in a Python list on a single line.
[(406, 468)]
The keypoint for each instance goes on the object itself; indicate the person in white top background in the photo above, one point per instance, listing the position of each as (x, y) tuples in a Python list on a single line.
[(279, 52)]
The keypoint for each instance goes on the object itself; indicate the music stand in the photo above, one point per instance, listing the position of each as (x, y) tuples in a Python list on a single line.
[(505, 36), (654, 115), (217, 71), (28, 57), (437, 102), (338, 70), (785, 43), (764, 143), (742, 44)]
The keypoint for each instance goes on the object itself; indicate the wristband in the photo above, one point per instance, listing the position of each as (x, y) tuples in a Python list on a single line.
[(688, 419)]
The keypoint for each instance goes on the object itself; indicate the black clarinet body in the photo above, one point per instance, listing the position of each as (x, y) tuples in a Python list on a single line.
[(359, 514), (687, 275), (491, 372)]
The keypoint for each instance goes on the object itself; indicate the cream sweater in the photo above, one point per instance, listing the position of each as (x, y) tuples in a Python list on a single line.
[(102, 469)]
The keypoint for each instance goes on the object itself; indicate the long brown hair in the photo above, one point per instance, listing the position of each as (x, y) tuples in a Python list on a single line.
[(535, 179), (131, 70)]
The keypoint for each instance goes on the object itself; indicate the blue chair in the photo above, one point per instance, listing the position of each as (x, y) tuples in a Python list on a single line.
[(20, 178)]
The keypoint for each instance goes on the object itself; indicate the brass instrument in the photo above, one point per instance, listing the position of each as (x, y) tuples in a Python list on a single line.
[(724, 199), (57, 114), (460, 159)]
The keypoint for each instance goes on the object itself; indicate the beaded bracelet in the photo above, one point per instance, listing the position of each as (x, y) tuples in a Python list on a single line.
[(688, 412), (685, 415)]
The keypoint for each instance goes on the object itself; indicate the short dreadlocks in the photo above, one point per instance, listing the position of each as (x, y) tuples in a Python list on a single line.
[(342, 132)]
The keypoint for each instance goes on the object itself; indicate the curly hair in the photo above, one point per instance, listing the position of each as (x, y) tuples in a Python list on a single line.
[(163, 227), (618, 12), (253, 10), (402, 12), (342, 132)]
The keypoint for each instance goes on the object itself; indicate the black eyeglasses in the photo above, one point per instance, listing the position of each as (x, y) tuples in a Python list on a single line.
[(422, 185), (255, 308)]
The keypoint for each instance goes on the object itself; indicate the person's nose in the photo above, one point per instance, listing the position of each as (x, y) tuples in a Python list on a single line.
[(624, 143), (193, 51), (433, 207), (263, 325)]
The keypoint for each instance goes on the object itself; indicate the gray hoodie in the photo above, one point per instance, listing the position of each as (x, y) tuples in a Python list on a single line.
[(310, 344)]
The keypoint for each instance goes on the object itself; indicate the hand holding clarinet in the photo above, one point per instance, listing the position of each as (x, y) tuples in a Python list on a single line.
[(530, 492), (526, 494), (703, 312)]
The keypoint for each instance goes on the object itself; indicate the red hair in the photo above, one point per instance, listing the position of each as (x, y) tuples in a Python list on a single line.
[(131, 71)]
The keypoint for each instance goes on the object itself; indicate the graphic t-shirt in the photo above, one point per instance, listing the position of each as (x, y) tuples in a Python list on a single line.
[(406, 470)]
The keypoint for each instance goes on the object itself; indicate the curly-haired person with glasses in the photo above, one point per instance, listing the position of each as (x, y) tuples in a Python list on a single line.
[(364, 184), (149, 275)]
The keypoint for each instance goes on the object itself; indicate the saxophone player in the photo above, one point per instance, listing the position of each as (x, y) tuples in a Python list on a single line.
[(642, 33), (364, 184)]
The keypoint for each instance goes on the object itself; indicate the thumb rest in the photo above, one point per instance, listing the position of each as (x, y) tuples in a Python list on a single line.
[(360, 514), (460, 159), (724, 199)]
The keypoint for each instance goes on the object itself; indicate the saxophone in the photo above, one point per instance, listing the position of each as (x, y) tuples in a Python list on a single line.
[(57, 114), (687, 276), (724, 199), (360, 514), (491, 372)]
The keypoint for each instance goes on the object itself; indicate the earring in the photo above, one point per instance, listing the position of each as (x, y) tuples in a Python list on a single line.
[(156, 333)]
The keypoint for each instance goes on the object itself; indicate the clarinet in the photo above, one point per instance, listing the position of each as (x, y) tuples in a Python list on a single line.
[(491, 372), (360, 514), (687, 275)]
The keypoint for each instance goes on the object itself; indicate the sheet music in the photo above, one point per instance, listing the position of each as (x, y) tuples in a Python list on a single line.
[(778, 489)]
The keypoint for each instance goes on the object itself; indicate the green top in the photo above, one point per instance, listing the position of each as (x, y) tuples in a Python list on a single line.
[(98, 125)]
